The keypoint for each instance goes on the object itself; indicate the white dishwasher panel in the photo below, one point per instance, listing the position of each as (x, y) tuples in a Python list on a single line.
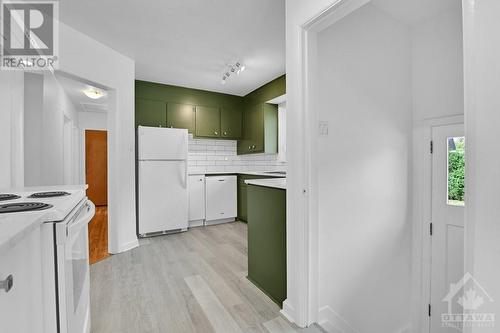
[(221, 198)]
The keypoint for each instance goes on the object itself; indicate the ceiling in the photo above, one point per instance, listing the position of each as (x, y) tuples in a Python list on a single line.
[(74, 89), (189, 43), (411, 12)]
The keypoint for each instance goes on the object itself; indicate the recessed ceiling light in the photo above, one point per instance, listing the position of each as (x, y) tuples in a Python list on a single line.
[(93, 93)]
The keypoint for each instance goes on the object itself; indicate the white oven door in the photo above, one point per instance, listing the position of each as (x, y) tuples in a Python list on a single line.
[(73, 269)]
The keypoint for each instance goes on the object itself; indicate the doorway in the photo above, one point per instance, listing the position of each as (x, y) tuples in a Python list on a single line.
[(447, 228), (96, 175)]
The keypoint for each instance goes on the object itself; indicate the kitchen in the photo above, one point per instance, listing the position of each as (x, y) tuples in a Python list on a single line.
[(264, 166), (219, 139)]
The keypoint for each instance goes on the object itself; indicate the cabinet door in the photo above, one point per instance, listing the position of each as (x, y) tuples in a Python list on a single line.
[(150, 113), (242, 201), (196, 198), (221, 198), (207, 122), (180, 116), (231, 123), (254, 129)]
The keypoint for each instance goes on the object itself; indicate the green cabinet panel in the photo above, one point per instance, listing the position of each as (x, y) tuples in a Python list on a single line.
[(267, 240), (181, 116), (242, 194), (260, 130), (207, 122), (150, 113), (231, 121)]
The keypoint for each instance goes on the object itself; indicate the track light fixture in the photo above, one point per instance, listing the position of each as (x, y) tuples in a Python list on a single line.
[(237, 69)]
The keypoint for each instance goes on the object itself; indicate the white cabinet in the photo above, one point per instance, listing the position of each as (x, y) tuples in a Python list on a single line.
[(21, 308), (196, 200), (221, 200)]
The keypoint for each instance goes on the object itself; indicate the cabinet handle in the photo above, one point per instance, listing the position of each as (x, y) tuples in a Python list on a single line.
[(216, 133), (7, 283), (253, 147), (225, 133), (249, 147), (222, 180), (200, 180)]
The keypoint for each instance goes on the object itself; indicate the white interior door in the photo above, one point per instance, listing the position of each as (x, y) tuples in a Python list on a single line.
[(163, 196), (447, 221)]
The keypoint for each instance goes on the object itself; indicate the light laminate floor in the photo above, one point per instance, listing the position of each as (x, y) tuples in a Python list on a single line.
[(189, 282)]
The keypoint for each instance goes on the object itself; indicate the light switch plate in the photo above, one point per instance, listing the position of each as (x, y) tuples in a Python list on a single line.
[(323, 128)]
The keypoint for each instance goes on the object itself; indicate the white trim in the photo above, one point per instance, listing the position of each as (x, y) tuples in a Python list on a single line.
[(302, 212), (421, 220), (332, 322), (287, 311), (126, 247)]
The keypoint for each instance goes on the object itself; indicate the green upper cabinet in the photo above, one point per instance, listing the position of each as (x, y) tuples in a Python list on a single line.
[(150, 113), (260, 130), (181, 116), (207, 122), (231, 123)]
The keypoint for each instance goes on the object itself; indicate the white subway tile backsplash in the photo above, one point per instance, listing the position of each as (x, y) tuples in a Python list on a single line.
[(207, 155)]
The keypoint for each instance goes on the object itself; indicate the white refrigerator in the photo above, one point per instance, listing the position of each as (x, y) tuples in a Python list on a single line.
[(163, 180)]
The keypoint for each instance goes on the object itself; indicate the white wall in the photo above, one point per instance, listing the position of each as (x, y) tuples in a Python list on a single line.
[(11, 129), (90, 60), (482, 73), (50, 117), (364, 92), (92, 120), (33, 128)]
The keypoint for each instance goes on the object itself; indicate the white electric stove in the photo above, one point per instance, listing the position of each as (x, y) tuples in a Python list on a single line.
[(66, 212)]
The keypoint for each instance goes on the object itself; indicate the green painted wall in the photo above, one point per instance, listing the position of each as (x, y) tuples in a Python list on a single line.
[(267, 92)]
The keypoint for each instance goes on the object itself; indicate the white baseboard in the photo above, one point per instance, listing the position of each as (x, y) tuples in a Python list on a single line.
[(196, 223), (332, 322), (127, 246), (288, 311), (214, 222)]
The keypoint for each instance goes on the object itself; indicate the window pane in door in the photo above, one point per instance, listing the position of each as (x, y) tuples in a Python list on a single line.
[(456, 171)]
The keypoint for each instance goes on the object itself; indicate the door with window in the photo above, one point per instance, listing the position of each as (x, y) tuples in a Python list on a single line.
[(447, 262)]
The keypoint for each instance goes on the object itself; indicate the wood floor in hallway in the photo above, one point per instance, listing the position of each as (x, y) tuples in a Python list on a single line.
[(98, 235), (189, 282)]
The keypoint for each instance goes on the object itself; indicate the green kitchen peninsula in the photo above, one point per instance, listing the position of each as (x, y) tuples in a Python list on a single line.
[(266, 211)]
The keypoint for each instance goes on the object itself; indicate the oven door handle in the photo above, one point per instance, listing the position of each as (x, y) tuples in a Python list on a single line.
[(84, 217)]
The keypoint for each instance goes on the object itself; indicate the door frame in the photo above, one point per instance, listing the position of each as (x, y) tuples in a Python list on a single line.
[(422, 217), (302, 305)]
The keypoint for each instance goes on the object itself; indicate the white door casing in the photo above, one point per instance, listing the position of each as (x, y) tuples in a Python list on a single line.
[(447, 241)]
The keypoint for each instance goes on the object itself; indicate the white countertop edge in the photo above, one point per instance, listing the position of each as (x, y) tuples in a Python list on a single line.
[(279, 183)]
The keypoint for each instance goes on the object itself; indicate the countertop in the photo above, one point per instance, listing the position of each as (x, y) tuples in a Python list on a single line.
[(251, 173), (279, 183), (14, 227)]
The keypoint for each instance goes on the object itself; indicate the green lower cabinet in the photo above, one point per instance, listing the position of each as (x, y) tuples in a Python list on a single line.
[(231, 123), (207, 122), (150, 113), (242, 194), (267, 240), (181, 116)]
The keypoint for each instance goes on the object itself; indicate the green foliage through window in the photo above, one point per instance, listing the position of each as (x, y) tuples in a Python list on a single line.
[(456, 170)]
